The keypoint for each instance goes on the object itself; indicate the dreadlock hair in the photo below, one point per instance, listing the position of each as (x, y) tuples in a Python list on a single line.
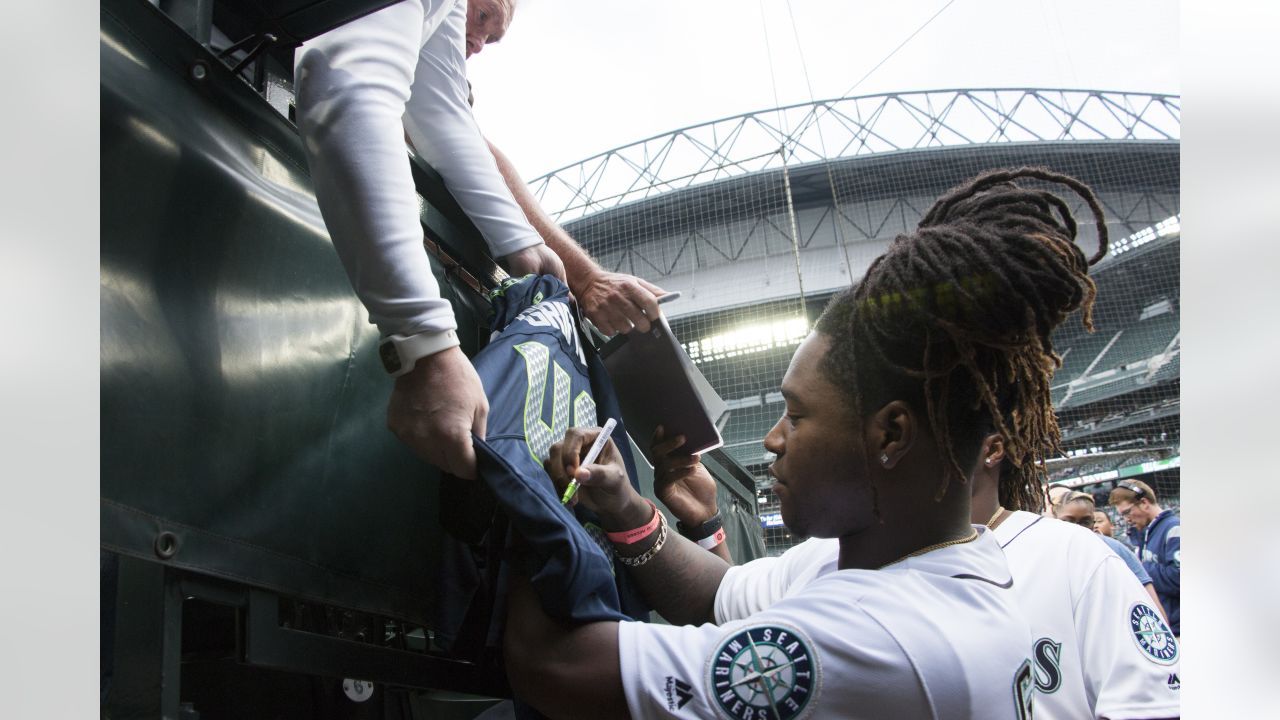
[(956, 319)]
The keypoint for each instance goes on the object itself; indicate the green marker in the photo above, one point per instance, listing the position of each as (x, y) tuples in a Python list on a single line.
[(596, 448)]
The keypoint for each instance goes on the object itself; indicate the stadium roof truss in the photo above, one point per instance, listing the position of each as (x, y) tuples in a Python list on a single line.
[(846, 128), (747, 213)]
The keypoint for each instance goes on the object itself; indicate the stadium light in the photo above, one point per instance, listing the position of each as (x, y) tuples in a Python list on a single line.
[(1168, 226), (749, 339), (1164, 228)]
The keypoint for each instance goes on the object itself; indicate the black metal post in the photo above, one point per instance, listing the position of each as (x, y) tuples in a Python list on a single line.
[(148, 640)]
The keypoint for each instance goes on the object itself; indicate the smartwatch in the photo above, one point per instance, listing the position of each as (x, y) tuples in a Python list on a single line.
[(708, 535), (399, 353)]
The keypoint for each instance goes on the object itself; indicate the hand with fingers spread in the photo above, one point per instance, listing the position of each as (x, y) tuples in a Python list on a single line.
[(680, 481), (436, 407), (616, 302)]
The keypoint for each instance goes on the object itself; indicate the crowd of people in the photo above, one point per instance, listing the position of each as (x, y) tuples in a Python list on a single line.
[(937, 581), (1151, 546)]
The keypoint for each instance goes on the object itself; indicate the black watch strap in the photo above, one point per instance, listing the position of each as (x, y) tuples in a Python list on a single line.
[(703, 531)]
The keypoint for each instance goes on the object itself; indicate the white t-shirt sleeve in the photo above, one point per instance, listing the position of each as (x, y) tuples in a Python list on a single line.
[(662, 669), (756, 586), (810, 656), (1130, 658), (354, 84), (748, 589)]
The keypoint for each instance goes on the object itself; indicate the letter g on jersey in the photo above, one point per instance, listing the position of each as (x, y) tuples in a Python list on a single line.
[(766, 671)]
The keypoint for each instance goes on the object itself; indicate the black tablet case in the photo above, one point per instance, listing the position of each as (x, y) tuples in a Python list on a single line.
[(657, 384)]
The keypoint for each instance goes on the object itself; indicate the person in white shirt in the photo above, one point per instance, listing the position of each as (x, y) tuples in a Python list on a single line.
[(914, 615), (1102, 649), (361, 89)]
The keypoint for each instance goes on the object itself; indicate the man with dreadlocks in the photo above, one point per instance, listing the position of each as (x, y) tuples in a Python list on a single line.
[(912, 613), (1101, 648)]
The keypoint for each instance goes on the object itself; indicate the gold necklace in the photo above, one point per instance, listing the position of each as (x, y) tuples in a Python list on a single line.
[(992, 522), (973, 536)]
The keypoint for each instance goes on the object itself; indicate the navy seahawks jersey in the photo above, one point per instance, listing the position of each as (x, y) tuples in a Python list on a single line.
[(541, 379)]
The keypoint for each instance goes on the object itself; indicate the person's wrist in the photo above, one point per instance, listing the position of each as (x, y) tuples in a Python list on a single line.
[(505, 252), (695, 517), (403, 355), (582, 277), (426, 367), (707, 534), (632, 512)]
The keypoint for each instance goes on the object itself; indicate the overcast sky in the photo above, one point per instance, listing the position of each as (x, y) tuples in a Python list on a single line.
[(574, 78)]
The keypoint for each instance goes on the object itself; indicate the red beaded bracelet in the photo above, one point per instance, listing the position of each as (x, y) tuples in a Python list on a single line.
[(630, 537)]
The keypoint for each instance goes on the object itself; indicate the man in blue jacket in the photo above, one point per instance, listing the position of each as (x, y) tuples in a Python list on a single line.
[(1157, 534)]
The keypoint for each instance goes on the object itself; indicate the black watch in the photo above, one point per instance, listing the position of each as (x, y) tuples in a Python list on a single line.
[(703, 531)]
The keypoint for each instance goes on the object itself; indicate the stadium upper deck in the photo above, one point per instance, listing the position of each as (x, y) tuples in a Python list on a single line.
[(758, 218)]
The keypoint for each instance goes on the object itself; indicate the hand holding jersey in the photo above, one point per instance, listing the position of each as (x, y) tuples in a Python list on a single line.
[(363, 89), (536, 260), (360, 88), (436, 407)]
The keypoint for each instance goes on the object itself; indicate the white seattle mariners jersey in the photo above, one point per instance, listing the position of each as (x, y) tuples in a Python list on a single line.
[(935, 636), (1100, 649)]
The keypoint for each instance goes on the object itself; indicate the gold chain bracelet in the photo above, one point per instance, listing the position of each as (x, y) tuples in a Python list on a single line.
[(647, 555)]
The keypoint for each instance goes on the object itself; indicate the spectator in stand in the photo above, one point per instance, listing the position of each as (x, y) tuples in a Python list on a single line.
[(1157, 534), (1079, 509)]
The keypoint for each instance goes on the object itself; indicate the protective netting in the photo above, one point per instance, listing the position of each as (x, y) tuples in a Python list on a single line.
[(757, 254)]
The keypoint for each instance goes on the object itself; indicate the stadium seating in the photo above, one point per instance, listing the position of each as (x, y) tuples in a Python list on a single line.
[(744, 433)]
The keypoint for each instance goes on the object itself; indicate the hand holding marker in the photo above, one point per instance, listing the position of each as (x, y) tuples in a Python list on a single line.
[(592, 454), (598, 446)]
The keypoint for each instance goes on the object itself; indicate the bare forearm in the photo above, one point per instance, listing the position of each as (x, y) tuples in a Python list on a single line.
[(681, 580), (577, 263), (565, 671), (722, 551)]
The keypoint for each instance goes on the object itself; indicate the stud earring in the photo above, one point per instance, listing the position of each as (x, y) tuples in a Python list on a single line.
[(988, 462), (884, 458)]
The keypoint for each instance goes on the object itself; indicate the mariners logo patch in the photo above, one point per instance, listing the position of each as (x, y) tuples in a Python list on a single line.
[(767, 672), (1154, 638)]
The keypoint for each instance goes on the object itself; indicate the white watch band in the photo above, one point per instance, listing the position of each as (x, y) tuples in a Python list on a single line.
[(399, 353)]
